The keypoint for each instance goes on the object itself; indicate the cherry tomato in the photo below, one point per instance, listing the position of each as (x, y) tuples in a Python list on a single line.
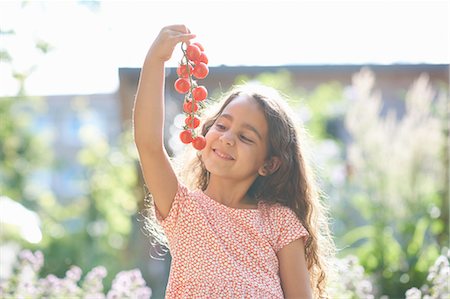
[(199, 45), (193, 64), (192, 122), (199, 93), (182, 85), (186, 136), (199, 143), (203, 58), (201, 70), (193, 52), (184, 70), (190, 107)]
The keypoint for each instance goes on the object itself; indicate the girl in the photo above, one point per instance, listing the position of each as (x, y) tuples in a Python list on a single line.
[(252, 225)]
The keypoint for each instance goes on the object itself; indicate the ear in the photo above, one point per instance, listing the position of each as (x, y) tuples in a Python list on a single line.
[(270, 166)]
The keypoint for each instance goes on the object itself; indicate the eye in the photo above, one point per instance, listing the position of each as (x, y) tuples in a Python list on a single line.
[(246, 139), (220, 126)]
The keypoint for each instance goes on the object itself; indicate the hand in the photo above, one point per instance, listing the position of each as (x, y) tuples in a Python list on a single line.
[(169, 36)]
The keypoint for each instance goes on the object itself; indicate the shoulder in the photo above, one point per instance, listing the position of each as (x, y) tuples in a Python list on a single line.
[(183, 191), (277, 212), (182, 198), (285, 225)]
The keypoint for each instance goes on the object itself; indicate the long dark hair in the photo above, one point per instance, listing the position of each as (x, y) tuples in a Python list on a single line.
[(292, 185)]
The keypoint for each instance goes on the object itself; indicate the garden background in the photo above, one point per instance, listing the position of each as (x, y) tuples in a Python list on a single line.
[(70, 185)]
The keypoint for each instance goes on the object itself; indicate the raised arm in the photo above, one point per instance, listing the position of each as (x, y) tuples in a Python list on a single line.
[(148, 118)]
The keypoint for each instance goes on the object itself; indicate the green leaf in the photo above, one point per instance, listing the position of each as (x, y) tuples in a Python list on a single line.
[(416, 242), (360, 233)]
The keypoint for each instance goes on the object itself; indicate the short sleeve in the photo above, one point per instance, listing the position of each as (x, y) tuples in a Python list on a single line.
[(169, 222), (287, 228)]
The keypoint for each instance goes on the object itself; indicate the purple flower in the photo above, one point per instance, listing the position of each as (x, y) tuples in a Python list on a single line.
[(74, 273), (113, 294), (94, 296), (25, 283), (129, 284), (143, 293), (35, 261), (93, 282)]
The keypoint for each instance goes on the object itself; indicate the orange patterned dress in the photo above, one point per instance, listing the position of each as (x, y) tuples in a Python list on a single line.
[(223, 252)]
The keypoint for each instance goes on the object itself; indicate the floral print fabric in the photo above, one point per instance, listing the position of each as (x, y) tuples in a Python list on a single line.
[(223, 252)]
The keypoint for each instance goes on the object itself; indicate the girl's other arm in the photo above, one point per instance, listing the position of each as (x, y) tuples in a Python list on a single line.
[(148, 118), (294, 272)]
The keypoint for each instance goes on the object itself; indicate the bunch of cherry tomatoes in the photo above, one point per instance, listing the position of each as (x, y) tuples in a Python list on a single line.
[(194, 64)]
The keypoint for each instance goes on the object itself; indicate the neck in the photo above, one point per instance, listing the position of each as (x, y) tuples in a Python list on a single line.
[(228, 192)]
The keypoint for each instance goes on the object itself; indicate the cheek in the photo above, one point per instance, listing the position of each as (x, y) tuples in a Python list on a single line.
[(257, 154), (211, 135)]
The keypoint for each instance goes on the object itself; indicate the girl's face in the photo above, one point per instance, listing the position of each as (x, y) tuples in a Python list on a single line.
[(236, 144)]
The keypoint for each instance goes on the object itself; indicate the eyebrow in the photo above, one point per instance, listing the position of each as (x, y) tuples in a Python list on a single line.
[(245, 125)]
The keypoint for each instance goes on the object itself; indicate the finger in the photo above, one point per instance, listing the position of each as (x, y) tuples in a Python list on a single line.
[(184, 37), (180, 28), (188, 37)]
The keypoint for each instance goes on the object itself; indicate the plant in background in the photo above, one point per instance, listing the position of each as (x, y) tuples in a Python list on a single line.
[(350, 281), (438, 280), (101, 222), (100, 219), (26, 283), (23, 152), (394, 186)]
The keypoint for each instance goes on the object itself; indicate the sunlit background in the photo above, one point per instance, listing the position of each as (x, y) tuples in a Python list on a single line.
[(91, 39), (369, 79)]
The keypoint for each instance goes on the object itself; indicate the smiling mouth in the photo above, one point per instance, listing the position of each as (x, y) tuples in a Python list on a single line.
[(222, 155)]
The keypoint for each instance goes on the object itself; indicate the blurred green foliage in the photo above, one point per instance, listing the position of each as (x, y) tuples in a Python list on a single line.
[(22, 152), (395, 184), (90, 229), (97, 225)]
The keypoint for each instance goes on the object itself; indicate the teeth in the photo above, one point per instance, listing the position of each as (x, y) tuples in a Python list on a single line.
[(224, 156)]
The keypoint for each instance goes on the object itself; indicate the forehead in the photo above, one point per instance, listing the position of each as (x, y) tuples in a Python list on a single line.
[(245, 109)]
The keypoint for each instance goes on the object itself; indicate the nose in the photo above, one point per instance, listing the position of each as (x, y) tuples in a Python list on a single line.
[(228, 138)]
